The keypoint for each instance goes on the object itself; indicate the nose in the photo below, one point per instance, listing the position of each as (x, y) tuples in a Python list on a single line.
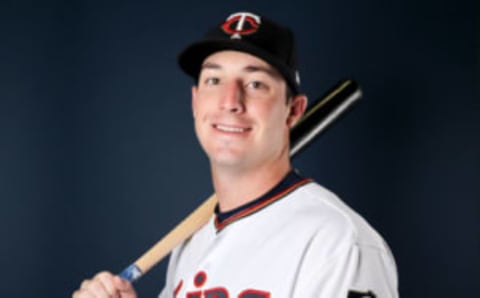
[(233, 98)]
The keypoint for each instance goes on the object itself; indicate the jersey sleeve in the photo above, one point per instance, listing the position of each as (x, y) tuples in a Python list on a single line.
[(356, 271), (163, 293), (168, 289)]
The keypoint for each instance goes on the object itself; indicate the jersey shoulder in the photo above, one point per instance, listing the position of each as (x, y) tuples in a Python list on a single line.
[(323, 209)]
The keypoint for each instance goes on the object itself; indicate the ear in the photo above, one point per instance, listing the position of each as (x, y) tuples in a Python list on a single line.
[(298, 106), (194, 99)]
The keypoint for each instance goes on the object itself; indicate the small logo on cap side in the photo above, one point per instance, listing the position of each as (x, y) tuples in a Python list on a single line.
[(297, 77), (241, 23)]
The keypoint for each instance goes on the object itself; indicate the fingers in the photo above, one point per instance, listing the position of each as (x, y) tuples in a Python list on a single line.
[(124, 287), (105, 285)]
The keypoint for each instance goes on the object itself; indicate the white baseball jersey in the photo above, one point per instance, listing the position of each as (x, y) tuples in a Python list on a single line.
[(297, 241)]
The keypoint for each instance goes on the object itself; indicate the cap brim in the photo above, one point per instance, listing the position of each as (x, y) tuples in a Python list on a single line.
[(191, 59)]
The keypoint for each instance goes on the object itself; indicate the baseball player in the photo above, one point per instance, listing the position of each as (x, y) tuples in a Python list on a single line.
[(274, 233)]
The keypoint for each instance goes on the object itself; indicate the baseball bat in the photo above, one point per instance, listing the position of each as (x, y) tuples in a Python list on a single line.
[(320, 115)]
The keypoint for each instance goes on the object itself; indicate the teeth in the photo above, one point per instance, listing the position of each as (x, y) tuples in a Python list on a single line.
[(230, 129)]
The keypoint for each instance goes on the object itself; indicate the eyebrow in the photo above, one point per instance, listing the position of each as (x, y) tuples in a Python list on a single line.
[(249, 69), (209, 65)]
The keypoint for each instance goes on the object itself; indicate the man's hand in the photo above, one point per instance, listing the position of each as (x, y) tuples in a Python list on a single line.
[(105, 284)]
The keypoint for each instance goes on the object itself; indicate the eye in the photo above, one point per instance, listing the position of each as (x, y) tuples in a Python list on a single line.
[(212, 81), (256, 85)]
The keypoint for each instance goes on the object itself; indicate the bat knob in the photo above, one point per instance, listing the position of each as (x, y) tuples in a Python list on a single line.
[(131, 273)]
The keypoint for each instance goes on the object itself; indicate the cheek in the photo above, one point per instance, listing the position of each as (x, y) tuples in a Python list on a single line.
[(275, 115), (201, 120), (199, 109)]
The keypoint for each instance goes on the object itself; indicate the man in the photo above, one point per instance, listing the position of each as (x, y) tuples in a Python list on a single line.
[(274, 233)]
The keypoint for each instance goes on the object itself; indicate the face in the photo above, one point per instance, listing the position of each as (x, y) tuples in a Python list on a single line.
[(242, 118)]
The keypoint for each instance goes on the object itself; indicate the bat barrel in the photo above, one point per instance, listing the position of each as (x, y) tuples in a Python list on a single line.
[(337, 101)]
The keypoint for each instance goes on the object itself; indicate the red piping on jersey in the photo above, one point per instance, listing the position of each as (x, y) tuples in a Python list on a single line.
[(260, 205), (177, 289)]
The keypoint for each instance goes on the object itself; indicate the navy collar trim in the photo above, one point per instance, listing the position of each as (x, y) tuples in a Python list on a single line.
[(288, 184)]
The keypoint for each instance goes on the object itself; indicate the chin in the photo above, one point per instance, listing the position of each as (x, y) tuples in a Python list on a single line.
[(226, 158)]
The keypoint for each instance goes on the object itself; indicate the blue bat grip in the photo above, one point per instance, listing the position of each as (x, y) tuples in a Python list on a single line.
[(131, 273)]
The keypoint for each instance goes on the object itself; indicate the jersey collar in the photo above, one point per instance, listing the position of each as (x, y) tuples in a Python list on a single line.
[(289, 183)]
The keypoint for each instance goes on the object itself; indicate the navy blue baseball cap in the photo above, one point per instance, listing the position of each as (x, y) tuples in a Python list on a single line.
[(252, 34)]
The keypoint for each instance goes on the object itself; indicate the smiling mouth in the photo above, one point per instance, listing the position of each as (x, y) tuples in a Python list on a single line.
[(233, 129)]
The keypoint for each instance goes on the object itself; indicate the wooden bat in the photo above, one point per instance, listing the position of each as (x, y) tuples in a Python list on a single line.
[(316, 119)]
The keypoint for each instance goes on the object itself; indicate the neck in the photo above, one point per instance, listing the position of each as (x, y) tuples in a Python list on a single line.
[(236, 188)]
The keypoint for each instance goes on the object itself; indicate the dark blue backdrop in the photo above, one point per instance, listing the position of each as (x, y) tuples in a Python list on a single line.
[(98, 158)]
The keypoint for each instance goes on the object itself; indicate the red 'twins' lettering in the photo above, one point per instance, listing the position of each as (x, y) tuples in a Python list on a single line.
[(217, 292)]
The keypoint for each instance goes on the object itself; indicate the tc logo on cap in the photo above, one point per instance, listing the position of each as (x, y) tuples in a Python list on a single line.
[(241, 23)]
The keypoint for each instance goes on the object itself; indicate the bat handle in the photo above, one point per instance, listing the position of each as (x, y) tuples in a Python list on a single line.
[(131, 273)]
